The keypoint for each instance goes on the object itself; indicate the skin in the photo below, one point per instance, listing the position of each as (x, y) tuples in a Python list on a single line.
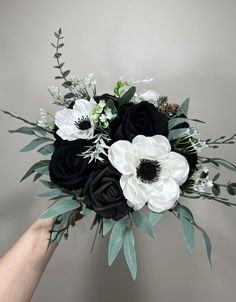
[(23, 265)]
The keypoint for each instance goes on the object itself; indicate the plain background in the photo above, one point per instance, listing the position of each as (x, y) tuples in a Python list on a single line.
[(189, 48)]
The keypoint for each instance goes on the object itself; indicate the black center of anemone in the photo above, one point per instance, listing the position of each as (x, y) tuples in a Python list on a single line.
[(148, 170), (83, 123)]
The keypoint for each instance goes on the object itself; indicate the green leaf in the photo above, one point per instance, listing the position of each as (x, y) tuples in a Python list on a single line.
[(37, 176), (42, 170), (110, 104), (126, 98), (51, 193), (189, 232), (57, 55), (183, 109), (143, 224), (154, 217), (66, 73), (40, 130), (46, 150), (216, 177), (231, 188), (49, 184), (224, 163), (59, 77), (116, 240), (129, 251), (207, 242), (216, 189), (85, 211), (35, 143), (60, 45), (42, 163), (69, 95), (60, 207), (24, 130), (184, 211), (176, 121), (107, 226), (181, 132)]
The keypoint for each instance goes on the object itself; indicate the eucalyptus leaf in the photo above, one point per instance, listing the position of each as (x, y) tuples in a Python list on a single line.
[(216, 189), (37, 176), (42, 163), (35, 143), (116, 240), (231, 188), (126, 98), (129, 252), (189, 232), (49, 184), (110, 104), (60, 207), (107, 226), (181, 132), (143, 224), (216, 177), (46, 150), (51, 193), (23, 130), (42, 170), (224, 163), (176, 121), (183, 109), (207, 242), (155, 217)]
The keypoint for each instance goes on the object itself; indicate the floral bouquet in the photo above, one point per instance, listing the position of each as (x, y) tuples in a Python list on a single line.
[(113, 155)]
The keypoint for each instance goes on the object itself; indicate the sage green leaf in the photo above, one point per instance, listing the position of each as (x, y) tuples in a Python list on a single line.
[(41, 163), (154, 217), (41, 130), (126, 98), (183, 109), (46, 150), (184, 211), (107, 226), (42, 170), (85, 211), (216, 177), (216, 189), (176, 121), (116, 240), (110, 104), (60, 207), (143, 224), (207, 242), (49, 184), (189, 233), (51, 193), (24, 130), (224, 163), (129, 251), (35, 143), (231, 188), (37, 176), (181, 132)]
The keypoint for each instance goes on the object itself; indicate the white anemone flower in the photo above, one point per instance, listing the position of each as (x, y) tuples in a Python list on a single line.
[(151, 173), (75, 123)]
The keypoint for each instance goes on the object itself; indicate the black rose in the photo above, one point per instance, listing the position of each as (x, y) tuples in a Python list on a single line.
[(67, 168), (103, 193), (134, 119)]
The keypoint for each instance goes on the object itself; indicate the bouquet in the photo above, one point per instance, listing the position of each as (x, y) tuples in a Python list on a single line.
[(113, 155)]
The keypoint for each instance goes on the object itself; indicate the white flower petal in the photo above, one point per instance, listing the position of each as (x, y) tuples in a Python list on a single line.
[(150, 96), (164, 196), (177, 166), (153, 147), (136, 195), (121, 157)]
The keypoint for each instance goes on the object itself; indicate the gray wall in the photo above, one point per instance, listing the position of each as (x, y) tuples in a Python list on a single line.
[(188, 47)]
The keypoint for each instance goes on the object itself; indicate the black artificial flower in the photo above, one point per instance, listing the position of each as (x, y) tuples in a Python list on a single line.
[(135, 119), (67, 167), (103, 193)]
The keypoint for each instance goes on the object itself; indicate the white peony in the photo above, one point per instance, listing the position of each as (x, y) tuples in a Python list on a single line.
[(151, 173), (75, 123)]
